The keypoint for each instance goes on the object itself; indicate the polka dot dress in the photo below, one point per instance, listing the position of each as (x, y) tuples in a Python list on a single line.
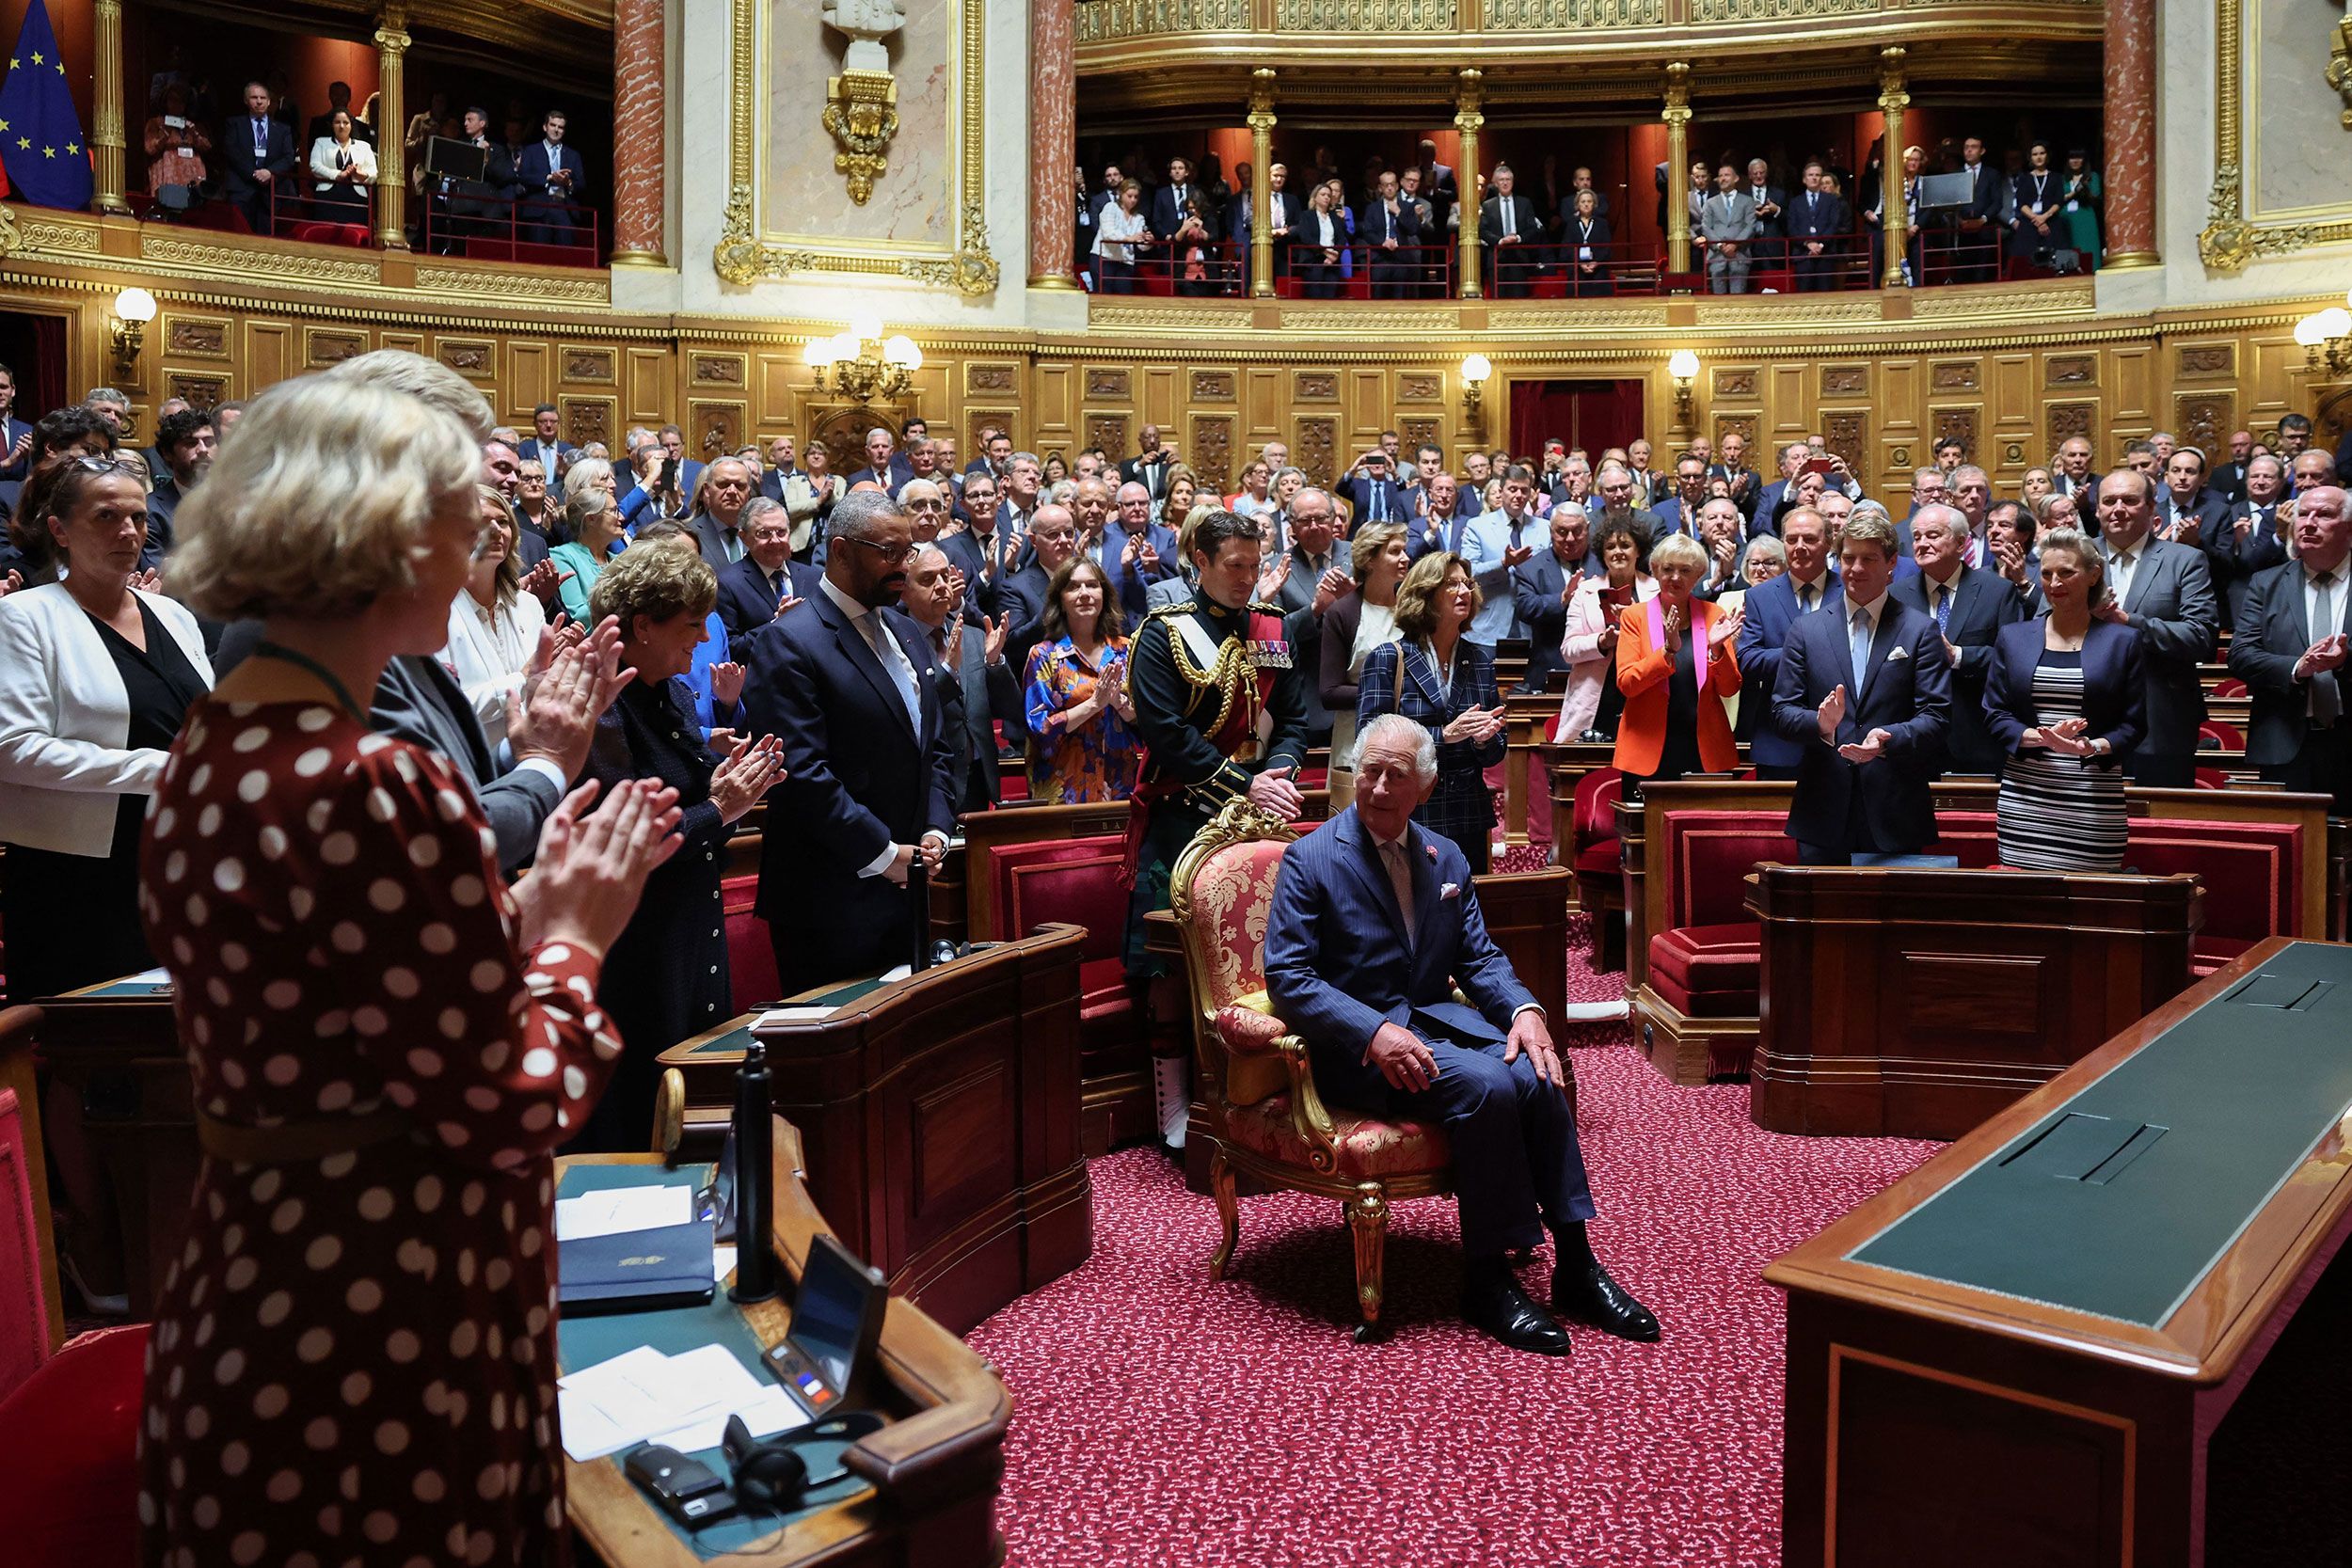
[(353, 1358)]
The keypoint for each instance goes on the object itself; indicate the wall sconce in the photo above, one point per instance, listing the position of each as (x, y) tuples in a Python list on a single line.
[(1475, 370), (863, 365), (1683, 366), (133, 310), (2326, 339)]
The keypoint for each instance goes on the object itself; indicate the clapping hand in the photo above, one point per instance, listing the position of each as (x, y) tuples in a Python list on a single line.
[(2011, 556), (2111, 608), (1514, 555), (590, 868), (1951, 651), (1673, 628), (993, 651), (749, 770), (148, 581), (2325, 655), (544, 583), (727, 683), (10, 583), (1270, 582), (1831, 712), (1872, 747), (2068, 737), (1726, 627), (1474, 724), (1146, 555), (1329, 589)]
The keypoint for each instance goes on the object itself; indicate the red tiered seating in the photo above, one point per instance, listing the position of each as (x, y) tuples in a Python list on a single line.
[(1075, 882), (751, 956), (1592, 855), (68, 1447)]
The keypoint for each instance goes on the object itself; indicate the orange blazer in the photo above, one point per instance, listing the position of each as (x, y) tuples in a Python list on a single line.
[(1643, 671)]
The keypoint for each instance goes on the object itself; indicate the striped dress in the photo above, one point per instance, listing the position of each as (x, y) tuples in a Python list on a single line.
[(2061, 812)]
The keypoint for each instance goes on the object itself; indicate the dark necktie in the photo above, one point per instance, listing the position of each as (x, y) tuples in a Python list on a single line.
[(1943, 609), (260, 140)]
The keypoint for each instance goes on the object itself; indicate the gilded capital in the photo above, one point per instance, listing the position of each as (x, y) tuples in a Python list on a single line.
[(391, 30)]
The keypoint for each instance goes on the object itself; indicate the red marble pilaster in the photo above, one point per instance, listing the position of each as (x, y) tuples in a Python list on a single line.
[(640, 124), (1053, 141), (2130, 134)]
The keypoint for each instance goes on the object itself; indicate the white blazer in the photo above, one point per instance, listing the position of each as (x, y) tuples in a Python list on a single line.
[(1588, 667), (65, 720), (323, 162)]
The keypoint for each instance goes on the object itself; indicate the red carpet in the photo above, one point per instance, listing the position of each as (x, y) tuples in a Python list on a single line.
[(1163, 1419)]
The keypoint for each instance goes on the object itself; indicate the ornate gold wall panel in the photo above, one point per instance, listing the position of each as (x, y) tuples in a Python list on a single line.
[(2235, 234), (1880, 393)]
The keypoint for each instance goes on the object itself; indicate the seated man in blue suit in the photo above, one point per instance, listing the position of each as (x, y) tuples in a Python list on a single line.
[(1374, 922), (552, 178), (851, 685), (1865, 689)]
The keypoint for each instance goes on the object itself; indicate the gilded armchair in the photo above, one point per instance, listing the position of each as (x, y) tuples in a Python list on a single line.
[(1257, 1090)]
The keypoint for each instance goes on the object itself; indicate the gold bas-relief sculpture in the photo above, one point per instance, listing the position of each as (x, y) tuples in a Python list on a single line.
[(2340, 67)]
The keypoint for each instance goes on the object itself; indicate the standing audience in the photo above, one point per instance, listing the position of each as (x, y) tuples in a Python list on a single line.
[(1435, 675)]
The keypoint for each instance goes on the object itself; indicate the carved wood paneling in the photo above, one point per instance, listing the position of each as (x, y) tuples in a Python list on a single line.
[(1107, 386), (718, 369), (589, 418), (715, 429), (1312, 447), (1739, 382), (1960, 422), (1110, 431), (197, 337), (1210, 451), (1848, 432), (1845, 381), (1742, 426), (972, 447), (202, 392), (978, 377), (2063, 421), (2201, 361), (593, 366), (1213, 386), (1416, 430), (1419, 388), (2071, 370), (1314, 387), (1952, 376), (2204, 420), (476, 357)]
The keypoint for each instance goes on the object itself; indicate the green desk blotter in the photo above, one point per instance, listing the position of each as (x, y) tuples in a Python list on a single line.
[(591, 1340), (2120, 1200)]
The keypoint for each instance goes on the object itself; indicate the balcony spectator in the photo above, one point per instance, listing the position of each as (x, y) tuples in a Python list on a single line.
[(1584, 236), (339, 103), (342, 167), (1511, 228), (1816, 220), (1390, 227), (2080, 201), (1975, 234), (552, 178), (1874, 216), (1772, 209), (422, 127), (2038, 230), (16, 436), (1729, 224), (1119, 229), (176, 146), (260, 153), (1320, 243)]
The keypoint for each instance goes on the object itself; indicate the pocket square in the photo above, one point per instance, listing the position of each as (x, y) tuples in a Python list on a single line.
[(1451, 890), (1897, 651)]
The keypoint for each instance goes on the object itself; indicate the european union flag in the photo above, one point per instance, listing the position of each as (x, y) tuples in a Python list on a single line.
[(40, 135)]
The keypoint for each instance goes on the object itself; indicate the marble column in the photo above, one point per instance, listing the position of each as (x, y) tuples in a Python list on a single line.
[(106, 139), (1677, 119), (1053, 141), (392, 129), (1260, 182), (1893, 98), (1468, 118), (641, 117), (2128, 135)]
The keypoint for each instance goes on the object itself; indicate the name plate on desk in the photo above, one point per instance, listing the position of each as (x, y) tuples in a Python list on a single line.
[(637, 1271)]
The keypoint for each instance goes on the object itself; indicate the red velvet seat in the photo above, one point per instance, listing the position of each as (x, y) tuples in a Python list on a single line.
[(2228, 685), (1593, 817), (2225, 738), (1708, 971), (69, 1449), (751, 954), (1074, 881), (1599, 859), (24, 1308)]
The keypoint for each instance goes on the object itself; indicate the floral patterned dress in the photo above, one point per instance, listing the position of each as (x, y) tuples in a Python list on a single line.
[(353, 1357), (1099, 761)]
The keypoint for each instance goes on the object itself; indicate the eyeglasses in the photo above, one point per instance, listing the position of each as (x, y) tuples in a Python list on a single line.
[(892, 554), (104, 466), (927, 505)]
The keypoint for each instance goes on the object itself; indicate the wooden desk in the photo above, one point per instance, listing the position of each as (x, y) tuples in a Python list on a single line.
[(2143, 1367), (1916, 1003), (928, 1481), (940, 1114)]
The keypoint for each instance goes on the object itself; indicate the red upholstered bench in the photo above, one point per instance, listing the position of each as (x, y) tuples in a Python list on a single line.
[(751, 954), (1074, 881), (1594, 856)]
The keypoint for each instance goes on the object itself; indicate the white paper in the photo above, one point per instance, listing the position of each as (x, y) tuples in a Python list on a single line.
[(791, 1015), (157, 976), (721, 1261), (899, 973), (643, 1396), (611, 1211), (588, 1432)]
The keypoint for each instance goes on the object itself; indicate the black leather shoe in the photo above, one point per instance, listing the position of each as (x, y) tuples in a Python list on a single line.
[(1501, 1311), (1583, 1290)]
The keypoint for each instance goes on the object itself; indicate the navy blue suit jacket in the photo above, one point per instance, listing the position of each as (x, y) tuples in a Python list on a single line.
[(1909, 697), (1537, 585), (13, 430), (2234, 563), (746, 603), (237, 159), (982, 595), (1982, 604), (897, 472), (1827, 219), (860, 777), (2113, 688), (1358, 490), (531, 170), (2272, 633), (1130, 584), (534, 451), (1771, 609), (1337, 962)]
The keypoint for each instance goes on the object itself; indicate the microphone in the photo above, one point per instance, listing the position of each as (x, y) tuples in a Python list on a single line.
[(919, 897), (754, 1172)]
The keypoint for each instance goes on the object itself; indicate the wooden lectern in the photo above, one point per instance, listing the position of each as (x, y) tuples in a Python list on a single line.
[(940, 1116)]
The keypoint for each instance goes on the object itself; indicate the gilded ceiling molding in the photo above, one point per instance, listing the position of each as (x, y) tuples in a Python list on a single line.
[(747, 254), (2230, 237)]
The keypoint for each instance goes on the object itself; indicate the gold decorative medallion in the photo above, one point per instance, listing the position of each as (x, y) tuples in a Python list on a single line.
[(862, 118)]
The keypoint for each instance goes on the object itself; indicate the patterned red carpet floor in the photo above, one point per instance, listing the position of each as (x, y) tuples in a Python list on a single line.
[(1163, 1419)]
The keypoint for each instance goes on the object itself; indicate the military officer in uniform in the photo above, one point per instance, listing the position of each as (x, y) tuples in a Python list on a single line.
[(1221, 706)]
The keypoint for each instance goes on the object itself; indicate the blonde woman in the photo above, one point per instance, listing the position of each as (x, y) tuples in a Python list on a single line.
[(494, 626), (385, 1046), (594, 524)]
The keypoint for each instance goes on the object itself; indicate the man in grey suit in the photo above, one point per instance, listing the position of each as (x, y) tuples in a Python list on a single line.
[(2290, 649), (2165, 592), (1729, 223), (976, 687)]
